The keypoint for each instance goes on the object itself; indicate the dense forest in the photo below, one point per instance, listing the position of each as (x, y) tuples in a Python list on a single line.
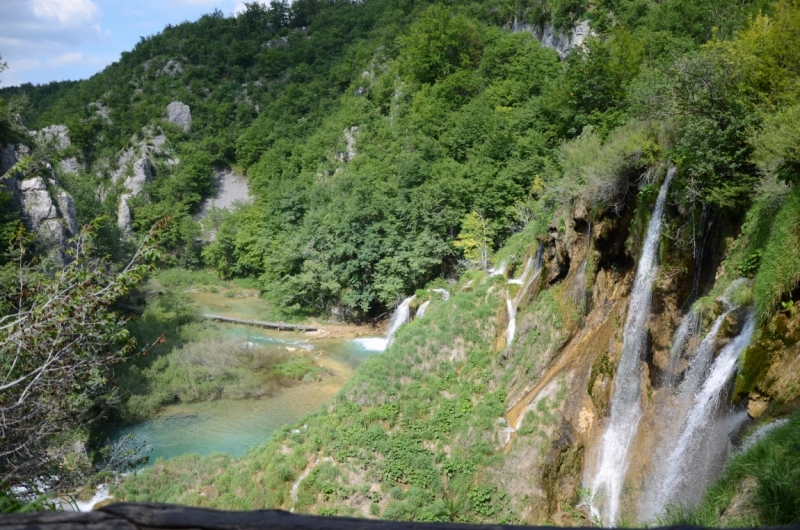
[(392, 147)]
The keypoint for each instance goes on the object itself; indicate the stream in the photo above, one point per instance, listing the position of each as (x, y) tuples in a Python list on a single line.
[(233, 426)]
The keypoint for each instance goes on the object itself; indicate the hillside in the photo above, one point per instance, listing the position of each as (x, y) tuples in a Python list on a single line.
[(608, 191)]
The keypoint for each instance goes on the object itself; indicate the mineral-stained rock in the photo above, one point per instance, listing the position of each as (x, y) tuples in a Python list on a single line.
[(180, 114)]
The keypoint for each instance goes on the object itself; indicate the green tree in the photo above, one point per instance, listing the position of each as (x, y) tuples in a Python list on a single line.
[(59, 337), (475, 239), (440, 43)]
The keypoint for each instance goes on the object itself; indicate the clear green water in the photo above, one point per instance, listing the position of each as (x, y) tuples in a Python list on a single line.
[(234, 426)]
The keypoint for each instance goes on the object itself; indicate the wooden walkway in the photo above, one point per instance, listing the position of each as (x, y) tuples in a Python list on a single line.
[(280, 326)]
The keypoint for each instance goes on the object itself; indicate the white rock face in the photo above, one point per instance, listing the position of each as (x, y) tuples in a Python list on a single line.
[(232, 189), (54, 221), (142, 174), (350, 142), (180, 114), (70, 165), (58, 134), (561, 43), (172, 68), (124, 218), (66, 207), (101, 110), (35, 201), (10, 154)]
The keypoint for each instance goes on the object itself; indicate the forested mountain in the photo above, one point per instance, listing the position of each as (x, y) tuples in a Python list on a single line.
[(521, 156)]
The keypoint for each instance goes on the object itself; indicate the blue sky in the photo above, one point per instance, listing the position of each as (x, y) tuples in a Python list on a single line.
[(56, 40)]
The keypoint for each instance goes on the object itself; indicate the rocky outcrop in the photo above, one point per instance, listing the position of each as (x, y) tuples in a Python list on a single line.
[(560, 42), (48, 211), (58, 135), (350, 145), (70, 165), (180, 114), (142, 174), (172, 68)]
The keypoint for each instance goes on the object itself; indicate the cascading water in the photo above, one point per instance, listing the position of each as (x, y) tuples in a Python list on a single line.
[(400, 317), (626, 407), (499, 270), (421, 309), (444, 292), (524, 275), (512, 320), (680, 482), (525, 280)]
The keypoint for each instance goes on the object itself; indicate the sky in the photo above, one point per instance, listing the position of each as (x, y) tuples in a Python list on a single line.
[(57, 40)]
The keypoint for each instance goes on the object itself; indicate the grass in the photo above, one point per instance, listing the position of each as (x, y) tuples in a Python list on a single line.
[(758, 488), (779, 272), (191, 360)]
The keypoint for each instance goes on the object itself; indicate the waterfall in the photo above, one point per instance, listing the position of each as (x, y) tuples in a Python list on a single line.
[(626, 407), (524, 275), (499, 270), (512, 320), (688, 328), (444, 292), (421, 309), (681, 474), (400, 317), (525, 280)]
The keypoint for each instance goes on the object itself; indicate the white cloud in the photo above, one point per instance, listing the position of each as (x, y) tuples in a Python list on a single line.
[(23, 65), (71, 58), (65, 11)]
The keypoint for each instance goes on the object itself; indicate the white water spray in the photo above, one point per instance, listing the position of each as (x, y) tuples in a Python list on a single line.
[(444, 292), (512, 320), (421, 309), (705, 406), (400, 317), (626, 407), (525, 280)]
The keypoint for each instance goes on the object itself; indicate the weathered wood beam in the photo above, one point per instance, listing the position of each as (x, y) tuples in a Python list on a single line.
[(152, 516), (280, 326)]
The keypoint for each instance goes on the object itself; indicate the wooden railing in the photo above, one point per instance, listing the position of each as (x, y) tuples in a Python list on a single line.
[(151, 516)]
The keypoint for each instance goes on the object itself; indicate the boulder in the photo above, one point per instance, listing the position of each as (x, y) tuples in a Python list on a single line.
[(180, 114)]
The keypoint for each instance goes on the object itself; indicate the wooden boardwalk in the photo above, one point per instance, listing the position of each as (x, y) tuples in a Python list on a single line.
[(280, 326)]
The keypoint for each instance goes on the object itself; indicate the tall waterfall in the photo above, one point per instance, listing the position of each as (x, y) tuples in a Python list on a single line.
[(626, 407), (400, 317), (681, 480)]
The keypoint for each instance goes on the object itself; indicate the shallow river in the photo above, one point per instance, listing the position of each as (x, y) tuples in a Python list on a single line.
[(234, 426)]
